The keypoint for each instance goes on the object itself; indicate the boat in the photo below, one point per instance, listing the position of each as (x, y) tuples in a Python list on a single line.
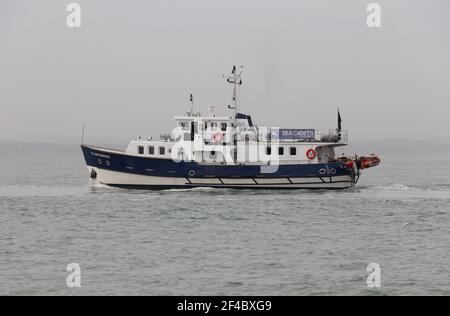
[(207, 150)]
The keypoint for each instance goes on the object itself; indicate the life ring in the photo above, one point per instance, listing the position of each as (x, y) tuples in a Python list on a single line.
[(218, 137), (311, 154)]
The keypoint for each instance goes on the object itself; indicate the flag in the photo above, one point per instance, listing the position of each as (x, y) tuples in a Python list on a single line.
[(339, 130), (339, 121)]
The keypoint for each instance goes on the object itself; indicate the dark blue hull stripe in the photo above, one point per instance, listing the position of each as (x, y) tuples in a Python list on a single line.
[(147, 166)]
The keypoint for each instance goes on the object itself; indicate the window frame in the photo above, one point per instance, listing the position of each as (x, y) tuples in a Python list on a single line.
[(292, 151)]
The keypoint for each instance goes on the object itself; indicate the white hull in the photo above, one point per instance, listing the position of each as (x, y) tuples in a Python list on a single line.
[(129, 180)]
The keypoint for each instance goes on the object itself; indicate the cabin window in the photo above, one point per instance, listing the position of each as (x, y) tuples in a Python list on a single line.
[(247, 138), (293, 151), (213, 153), (162, 151), (280, 151), (214, 126), (206, 126), (151, 150), (223, 127), (141, 150), (268, 151)]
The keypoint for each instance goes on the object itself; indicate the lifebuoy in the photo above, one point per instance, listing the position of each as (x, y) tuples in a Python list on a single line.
[(311, 154), (218, 137)]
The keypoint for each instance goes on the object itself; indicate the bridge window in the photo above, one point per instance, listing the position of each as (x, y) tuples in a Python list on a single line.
[(151, 150), (141, 150), (280, 151), (162, 151), (223, 127), (293, 151)]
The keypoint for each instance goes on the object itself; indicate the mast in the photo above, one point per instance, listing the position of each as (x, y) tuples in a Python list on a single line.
[(235, 80), (191, 99)]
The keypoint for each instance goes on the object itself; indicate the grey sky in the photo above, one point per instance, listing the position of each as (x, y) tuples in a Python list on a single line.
[(131, 66)]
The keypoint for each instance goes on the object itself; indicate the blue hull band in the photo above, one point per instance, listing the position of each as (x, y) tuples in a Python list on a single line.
[(148, 166)]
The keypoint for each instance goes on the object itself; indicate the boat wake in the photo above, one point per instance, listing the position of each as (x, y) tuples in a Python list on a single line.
[(408, 187), (39, 191), (197, 189), (396, 187)]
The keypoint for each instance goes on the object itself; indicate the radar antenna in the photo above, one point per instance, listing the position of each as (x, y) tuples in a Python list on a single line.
[(234, 79)]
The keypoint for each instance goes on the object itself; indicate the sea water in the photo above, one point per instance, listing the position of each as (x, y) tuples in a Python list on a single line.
[(223, 242)]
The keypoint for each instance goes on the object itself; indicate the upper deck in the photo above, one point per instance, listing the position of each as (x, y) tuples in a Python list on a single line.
[(228, 130)]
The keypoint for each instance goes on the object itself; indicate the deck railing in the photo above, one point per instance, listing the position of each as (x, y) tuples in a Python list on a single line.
[(275, 134), (304, 135)]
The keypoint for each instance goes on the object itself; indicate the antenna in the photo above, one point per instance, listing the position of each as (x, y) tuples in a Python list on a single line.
[(191, 99), (234, 79)]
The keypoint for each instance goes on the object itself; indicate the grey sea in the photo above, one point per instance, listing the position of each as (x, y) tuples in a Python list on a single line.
[(223, 242)]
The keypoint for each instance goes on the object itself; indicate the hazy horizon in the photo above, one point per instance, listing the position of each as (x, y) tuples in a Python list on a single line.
[(131, 66)]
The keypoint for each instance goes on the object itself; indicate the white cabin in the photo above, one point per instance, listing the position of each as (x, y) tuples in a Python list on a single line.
[(224, 140)]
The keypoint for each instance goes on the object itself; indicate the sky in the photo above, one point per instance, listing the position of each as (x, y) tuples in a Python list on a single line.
[(132, 65)]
